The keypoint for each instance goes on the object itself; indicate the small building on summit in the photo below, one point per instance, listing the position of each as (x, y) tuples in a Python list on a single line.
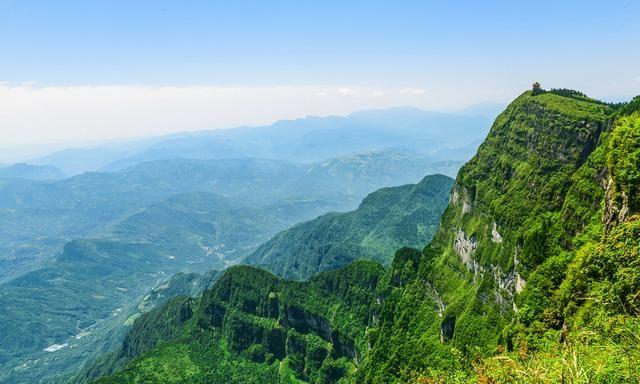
[(536, 88)]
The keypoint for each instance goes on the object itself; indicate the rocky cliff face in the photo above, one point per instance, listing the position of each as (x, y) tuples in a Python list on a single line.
[(315, 329)]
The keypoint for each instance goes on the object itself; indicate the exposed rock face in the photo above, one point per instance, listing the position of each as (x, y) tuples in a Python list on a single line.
[(462, 196), (464, 247), (466, 207), (495, 235), (440, 306), (507, 285), (519, 281), (616, 204), (305, 322), (454, 196)]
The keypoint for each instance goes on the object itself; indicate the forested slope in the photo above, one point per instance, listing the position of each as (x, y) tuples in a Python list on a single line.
[(386, 220)]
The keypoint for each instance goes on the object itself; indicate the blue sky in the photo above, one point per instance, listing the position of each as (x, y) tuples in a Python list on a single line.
[(436, 55)]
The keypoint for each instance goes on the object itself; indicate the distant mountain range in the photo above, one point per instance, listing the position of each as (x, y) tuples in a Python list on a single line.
[(103, 240), (305, 140), (82, 257), (96, 285), (39, 217)]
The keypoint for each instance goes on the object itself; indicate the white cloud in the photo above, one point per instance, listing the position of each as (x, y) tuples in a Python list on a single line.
[(377, 93), (413, 91), (346, 92), (638, 79), (321, 93)]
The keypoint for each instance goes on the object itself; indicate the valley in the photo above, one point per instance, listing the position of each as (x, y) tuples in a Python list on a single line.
[(104, 244)]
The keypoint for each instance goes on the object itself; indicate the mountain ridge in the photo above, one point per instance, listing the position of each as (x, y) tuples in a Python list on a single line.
[(303, 140), (385, 220)]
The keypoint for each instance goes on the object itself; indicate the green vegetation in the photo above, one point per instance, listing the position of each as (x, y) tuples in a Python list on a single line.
[(528, 207), (385, 221), (101, 241), (91, 290), (532, 277), (38, 218), (252, 326)]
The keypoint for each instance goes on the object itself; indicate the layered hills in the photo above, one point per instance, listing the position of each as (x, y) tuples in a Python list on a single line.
[(306, 140), (65, 310), (38, 218), (98, 284), (386, 220), (531, 277), (31, 172)]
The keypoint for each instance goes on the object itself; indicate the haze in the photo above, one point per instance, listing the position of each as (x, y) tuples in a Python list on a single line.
[(101, 70)]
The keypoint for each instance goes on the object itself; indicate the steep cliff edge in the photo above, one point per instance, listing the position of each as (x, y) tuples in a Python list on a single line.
[(509, 268)]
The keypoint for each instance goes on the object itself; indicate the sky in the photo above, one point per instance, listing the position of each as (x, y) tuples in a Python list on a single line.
[(74, 71)]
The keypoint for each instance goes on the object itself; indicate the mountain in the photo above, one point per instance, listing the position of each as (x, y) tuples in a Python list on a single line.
[(253, 327), (509, 286), (189, 284), (385, 221), (533, 276), (74, 161), (306, 140), (38, 218), (387, 167), (102, 240), (31, 172), (314, 139), (87, 157)]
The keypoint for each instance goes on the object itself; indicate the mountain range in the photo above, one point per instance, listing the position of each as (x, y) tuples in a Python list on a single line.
[(39, 217), (306, 140), (31, 172), (532, 277)]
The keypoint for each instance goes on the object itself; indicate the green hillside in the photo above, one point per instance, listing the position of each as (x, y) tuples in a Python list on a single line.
[(85, 250), (254, 327), (385, 221), (38, 218), (502, 294), (94, 285), (532, 277)]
